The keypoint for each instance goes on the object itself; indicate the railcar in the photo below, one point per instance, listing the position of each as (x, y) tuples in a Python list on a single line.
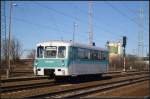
[(65, 58)]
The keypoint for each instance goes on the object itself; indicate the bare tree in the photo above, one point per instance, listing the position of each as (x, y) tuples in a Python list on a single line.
[(116, 63), (132, 63), (4, 50), (31, 55), (15, 50)]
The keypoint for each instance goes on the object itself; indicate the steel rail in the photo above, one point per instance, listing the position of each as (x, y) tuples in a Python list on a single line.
[(5, 89), (85, 90), (23, 79), (27, 86), (104, 88)]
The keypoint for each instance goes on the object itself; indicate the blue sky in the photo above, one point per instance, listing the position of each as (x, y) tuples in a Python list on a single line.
[(34, 22)]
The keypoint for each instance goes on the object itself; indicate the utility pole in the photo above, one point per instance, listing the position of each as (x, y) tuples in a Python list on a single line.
[(90, 24), (9, 39), (73, 40), (74, 30), (140, 34), (107, 46)]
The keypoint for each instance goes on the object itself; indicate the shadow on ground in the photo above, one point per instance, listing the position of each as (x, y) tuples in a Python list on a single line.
[(81, 79)]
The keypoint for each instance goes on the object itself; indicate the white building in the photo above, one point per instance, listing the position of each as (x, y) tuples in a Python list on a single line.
[(115, 48)]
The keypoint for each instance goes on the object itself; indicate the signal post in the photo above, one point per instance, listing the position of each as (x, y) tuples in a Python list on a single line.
[(124, 55)]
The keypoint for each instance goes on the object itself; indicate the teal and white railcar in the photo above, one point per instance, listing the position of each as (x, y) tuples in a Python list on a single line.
[(65, 58)]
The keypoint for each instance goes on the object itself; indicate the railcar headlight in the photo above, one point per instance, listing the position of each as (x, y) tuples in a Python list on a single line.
[(38, 69)]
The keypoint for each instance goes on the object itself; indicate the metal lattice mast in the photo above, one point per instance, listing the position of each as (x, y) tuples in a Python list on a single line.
[(140, 34), (90, 24), (3, 26)]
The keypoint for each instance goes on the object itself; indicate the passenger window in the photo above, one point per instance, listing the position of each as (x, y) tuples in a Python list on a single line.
[(86, 54), (100, 55), (95, 55), (73, 53), (61, 51), (83, 53), (103, 56), (106, 55), (80, 53)]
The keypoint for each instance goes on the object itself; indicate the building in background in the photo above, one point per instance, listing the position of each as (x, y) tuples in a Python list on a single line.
[(115, 49)]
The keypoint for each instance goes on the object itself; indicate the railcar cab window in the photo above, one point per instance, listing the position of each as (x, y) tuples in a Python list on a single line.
[(40, 50), (61, 51), (50, 52)]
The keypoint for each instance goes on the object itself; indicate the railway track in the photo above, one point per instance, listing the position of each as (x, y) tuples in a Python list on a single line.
[(44, 83), (9, 89), (23, 79), (27, 86), (16, 79), (16, 84), (122, 74), (83, 91)]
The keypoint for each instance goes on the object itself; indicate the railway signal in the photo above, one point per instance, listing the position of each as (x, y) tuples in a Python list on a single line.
[(124, 41), (124, 45)]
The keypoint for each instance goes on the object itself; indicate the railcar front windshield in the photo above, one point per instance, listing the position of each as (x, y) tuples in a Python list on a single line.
[(50, 52), (61, 51)]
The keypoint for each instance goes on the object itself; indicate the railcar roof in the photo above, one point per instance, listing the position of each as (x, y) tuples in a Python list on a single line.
[(70, 43)]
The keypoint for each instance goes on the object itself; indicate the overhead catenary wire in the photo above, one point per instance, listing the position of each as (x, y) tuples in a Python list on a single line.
[(36, 25), (75, 18), (139, 24), (137, 13), (62, 13), (55, 23), (59, 12), (97, 26), (72, 17), (121, 13)]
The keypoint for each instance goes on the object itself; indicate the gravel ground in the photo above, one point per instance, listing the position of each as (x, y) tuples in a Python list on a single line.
[(7, 84), (138, 89), (50, 89)]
